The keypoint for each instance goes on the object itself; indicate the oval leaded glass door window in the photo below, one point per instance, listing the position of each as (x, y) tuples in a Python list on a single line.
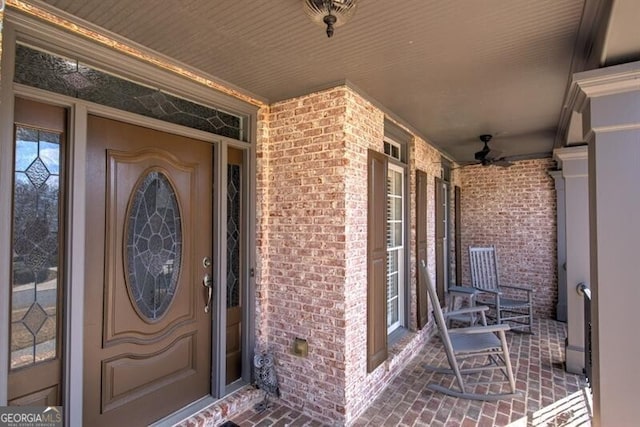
[(153, 245)]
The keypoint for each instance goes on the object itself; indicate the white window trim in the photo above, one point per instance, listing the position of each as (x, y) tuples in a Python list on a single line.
[(392, 144), (401, 257)]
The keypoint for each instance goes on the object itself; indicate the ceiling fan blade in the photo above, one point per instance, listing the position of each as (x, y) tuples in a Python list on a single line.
[(471, 163), (502, 162), (494, 155)]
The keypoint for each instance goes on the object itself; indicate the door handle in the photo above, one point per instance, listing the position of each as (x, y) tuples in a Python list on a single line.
[(207, 282)]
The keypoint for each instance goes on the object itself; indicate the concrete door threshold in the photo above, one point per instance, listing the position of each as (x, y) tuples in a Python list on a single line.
[(217, 411)]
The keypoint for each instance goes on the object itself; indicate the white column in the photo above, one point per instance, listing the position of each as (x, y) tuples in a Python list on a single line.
[(609, 100), (576, 190), (561, 245)]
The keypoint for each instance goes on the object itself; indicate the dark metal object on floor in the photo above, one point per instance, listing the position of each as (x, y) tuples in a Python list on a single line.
[(265, 378)]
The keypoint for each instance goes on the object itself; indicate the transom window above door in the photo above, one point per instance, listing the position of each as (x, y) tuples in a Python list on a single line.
[(71, 77)]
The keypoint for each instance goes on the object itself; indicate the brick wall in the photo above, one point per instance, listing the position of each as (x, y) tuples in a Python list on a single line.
[(262, 228), (312, 247), (514, 209), (301, 180), (365, 130)]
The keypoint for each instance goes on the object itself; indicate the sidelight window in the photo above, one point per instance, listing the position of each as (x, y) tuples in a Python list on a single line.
[(36, 247)]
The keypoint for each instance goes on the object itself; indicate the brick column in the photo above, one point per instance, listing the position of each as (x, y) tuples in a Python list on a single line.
[(305, 254), (609, 100), (576, 201)]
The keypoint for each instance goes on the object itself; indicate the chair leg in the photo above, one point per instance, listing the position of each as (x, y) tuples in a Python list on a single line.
[(507, 361), (458, 374)]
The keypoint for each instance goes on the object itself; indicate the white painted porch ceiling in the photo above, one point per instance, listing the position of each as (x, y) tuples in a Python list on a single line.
[(450, 69)]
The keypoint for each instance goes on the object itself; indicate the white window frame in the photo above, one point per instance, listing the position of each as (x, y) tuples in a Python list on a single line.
[(393, 149), (400, 250)]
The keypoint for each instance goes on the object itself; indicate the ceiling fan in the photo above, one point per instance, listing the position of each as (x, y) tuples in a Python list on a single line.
[(487, 157)]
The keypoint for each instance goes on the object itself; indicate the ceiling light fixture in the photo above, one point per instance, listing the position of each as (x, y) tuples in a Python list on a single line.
[(332, 13)]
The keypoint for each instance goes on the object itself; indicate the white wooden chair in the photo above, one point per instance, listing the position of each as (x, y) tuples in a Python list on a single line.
[(511, 304), (471, 351)]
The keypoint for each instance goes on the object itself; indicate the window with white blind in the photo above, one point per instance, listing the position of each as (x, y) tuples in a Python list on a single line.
[(387, 294), (395, 247)]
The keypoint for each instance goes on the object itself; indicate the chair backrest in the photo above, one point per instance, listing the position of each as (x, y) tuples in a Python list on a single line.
[(437, 312), (484, 268)]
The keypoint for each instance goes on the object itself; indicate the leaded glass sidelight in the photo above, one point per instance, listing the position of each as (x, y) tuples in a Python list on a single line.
[(36, 246), (233, 235), (153, 245)]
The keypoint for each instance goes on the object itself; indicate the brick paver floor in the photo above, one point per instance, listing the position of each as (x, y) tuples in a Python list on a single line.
[(550, 396)]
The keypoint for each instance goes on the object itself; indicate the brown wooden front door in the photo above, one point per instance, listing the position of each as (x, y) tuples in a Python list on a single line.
[(147, 336)]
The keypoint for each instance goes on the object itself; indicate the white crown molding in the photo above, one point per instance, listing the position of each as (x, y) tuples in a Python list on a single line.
[(588, 51), (600, 82)]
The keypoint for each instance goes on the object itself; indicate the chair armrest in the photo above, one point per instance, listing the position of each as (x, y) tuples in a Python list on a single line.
[(468, 290), (521, 288), (489, 291), (466, 310), (480, 329)]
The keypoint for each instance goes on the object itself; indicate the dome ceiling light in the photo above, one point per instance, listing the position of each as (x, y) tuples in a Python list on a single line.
[(332, 13)]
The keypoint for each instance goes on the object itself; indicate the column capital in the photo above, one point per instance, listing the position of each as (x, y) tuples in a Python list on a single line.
[(605, 81), (573, 161), (604, 89), (602, 81)]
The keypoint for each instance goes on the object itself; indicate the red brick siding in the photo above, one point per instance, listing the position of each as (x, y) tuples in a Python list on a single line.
[(262, 228), (514, 209), (302, 243), (365, 131), (312, 249)]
